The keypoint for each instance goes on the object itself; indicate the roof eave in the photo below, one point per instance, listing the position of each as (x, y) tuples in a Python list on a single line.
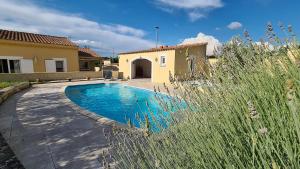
[(164, 49)]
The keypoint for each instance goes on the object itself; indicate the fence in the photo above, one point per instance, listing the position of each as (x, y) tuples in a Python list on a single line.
[(112, 74)]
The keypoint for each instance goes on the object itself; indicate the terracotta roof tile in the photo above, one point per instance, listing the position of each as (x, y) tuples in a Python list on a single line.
[(164, 48), (35, 38), (87, 52)]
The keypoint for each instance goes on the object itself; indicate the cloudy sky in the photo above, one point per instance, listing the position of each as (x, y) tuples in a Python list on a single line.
[(119, 25)]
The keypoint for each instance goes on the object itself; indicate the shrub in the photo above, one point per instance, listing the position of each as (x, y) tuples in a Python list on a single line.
[(246, 115)]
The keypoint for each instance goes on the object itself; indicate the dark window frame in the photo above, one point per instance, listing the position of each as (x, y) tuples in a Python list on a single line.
[(57, 66)]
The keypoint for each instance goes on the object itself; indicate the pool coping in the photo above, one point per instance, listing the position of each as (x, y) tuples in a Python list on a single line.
[(101, 119)]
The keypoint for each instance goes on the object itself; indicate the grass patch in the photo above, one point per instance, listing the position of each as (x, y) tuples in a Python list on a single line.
[(7, 84)]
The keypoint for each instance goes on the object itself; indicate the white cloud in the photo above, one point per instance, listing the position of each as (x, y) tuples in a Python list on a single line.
[(213, 43), (234, 25), (195, 16), (26, 16), (196, 9), (124, 30), (192, 4)]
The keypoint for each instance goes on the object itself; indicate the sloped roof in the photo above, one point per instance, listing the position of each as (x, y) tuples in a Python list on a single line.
[(87, 52), (164, 48), (35, 38)]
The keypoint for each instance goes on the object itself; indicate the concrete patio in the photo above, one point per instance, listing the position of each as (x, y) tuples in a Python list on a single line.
[(46, 130)]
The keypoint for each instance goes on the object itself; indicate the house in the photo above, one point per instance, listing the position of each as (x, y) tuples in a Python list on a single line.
[(107, 62), (158, 64), (110, 65), (88, 59), (22, 52)]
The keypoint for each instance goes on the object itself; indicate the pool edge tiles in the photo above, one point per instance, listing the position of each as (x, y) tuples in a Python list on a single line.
[(85, 96)]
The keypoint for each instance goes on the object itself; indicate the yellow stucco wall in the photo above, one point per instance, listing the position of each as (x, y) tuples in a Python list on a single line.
[(181, 63), (176, 62), (39, 53), (160, 74)]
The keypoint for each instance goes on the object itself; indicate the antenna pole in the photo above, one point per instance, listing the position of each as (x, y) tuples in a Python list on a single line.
[(157, 30)]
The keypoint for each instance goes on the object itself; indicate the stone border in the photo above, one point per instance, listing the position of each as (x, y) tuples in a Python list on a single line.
[(9, 91)]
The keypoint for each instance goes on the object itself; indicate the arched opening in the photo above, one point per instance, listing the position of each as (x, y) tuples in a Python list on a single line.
[(141, 68)]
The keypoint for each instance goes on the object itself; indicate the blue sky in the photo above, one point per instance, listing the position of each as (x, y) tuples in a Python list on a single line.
[(125, 25)]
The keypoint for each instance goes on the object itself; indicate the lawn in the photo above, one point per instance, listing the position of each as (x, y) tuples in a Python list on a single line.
[(6, 84)]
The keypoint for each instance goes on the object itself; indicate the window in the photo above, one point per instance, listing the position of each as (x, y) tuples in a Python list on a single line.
[(9, 66), (3, 66), (14, 66), (84, 65), (163, 61), (59, 66)]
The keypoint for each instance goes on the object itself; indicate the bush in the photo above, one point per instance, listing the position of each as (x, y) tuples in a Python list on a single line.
[(246, 116)]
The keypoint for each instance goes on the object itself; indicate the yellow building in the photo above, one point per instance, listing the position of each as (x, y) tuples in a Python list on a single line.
[(22, 52), (158, 63)]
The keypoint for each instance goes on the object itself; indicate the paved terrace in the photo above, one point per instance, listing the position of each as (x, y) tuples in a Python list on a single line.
[(46, 131)]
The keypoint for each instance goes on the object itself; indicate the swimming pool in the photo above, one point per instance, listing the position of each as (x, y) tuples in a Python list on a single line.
[(122, 103)]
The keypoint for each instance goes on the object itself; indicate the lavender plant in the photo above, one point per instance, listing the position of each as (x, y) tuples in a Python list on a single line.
[(246, 115)]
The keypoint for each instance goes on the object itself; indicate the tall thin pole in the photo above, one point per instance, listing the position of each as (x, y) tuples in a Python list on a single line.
[(157, 29)]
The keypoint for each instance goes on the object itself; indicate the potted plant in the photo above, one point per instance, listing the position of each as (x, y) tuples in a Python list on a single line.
[(97, 66)]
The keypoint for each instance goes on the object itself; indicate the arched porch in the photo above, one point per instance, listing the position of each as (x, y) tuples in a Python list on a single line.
[(141, 69)]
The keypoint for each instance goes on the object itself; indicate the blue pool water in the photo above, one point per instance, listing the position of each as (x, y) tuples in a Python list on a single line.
[(120, 103)]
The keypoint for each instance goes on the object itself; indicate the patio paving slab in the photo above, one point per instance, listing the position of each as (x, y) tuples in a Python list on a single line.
[(47, 133), (8, 160)]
